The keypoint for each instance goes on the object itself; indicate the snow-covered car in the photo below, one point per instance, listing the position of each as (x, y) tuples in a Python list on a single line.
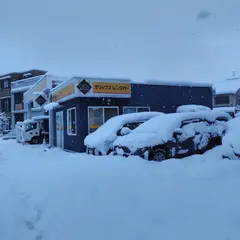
[(174, 135), (230, 142), (100, 142), (192, 108), (230, 110)]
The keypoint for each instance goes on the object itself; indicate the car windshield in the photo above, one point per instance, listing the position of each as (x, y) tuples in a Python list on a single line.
[(30, 126)]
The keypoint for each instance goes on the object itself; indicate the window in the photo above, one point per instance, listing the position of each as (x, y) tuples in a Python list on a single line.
[(135, 109), (6, 105), (71, 121), (30, 126), (223, 99), (5, 84), (97, 116)]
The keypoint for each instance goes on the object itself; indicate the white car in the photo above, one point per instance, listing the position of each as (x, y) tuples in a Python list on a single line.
[(174, 135), (230, 142), (192, 108), (230, 110), (100, 142)]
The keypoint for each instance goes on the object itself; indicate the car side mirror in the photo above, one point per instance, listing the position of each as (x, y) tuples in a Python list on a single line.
[(177, 132), (125, 131)]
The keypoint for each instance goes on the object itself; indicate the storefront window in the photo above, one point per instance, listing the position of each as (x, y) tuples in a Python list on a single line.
[(99, 115), (71, 121), (135, 109)]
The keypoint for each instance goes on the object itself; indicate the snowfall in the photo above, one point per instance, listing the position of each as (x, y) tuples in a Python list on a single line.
[(50, 194)]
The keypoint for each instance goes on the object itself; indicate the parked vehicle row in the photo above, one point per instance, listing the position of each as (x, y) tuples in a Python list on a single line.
[(161, 137), (101, 141)]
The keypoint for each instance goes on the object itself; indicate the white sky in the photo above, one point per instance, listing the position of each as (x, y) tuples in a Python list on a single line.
[(139, 39)]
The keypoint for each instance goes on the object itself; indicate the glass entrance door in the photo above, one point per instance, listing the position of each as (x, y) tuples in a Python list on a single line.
[(59, 129)]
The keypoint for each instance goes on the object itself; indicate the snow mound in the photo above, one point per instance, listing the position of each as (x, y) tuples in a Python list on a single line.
[(231, 139)]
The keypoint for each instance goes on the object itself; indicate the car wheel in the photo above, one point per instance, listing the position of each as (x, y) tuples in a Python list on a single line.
[(158, 155), (35, 141), (214, 142)]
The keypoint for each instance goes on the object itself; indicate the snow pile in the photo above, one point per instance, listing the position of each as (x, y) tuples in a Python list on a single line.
[(231, 141), (106, 134), (51, 194), (192, 108), (51, 106), (160, 129)]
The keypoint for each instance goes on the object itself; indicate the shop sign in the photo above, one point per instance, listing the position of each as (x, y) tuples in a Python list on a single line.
[(84, 86), (63, 92), (40, 100), (111, 88)]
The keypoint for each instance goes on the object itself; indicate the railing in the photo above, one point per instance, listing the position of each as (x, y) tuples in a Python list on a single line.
[(18, 106)]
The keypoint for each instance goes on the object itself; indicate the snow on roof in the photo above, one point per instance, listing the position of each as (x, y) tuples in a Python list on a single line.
[(173, 83), (27, 74), (108, 131), (192, 108), (229, 86), (50, 106), (159, 130), (20, 89), (5, 77)]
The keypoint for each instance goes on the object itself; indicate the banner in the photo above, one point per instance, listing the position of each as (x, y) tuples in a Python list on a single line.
[(111, 88)]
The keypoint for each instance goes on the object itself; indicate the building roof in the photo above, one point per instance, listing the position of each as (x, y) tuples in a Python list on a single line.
[(25, 84), (228, 86), (173, 83)]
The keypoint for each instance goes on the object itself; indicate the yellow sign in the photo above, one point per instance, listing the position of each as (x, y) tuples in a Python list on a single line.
[(111, 88), (63, 92), (38, 88)]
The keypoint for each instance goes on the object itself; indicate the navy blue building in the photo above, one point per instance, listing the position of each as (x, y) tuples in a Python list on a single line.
[(85, 104)]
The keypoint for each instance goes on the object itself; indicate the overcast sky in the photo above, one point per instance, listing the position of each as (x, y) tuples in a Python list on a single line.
[(139, 39)]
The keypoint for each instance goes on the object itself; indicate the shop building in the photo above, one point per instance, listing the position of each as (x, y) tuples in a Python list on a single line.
[(86, 103)]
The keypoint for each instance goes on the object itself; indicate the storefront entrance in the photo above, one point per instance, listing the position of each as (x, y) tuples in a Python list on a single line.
[(59, 130), (97, 116)]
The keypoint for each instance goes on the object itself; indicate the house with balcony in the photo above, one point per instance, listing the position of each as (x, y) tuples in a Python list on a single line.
[(18, 88), (227, 93), (5, 88)]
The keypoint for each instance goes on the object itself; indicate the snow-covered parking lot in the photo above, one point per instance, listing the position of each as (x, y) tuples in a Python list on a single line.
[(49, 194)]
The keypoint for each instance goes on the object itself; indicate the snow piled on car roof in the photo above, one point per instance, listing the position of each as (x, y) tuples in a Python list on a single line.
[(192, 108), (108, 131), (160, 129)]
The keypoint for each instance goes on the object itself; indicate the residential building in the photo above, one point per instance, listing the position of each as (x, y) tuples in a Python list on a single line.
[(227, 93), (18, 88), (5, 87)]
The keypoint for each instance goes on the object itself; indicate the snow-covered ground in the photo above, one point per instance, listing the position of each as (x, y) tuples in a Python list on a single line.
[(49, 194)]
